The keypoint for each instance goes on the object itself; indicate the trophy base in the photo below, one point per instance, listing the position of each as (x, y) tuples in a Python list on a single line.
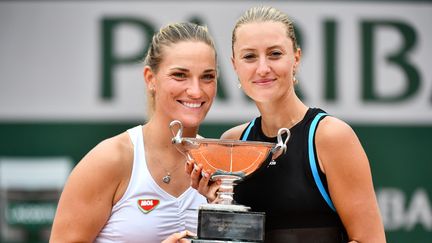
[(230, 226), (224, 207)]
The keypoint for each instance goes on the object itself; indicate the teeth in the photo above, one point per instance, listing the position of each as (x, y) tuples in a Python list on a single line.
[(192, 105)]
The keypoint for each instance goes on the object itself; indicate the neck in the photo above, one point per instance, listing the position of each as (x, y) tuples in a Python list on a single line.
[(279, 114), (158, 141), (159, 131), (164, 160)]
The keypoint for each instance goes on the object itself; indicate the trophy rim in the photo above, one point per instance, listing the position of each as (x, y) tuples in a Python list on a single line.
[(228, 142)]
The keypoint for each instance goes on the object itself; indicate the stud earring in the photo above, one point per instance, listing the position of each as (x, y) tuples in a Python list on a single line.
[(152, 90), (239, 85)]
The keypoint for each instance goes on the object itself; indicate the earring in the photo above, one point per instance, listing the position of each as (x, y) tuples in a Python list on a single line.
[(295, 80), (239, 85), (152, 90)]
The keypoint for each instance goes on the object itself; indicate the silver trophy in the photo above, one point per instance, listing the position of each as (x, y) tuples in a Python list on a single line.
[(229, 161)]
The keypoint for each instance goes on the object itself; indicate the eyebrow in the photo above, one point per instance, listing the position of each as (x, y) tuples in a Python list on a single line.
[(180, 69), (187, 70), (247, 49), (275, 46), (268, 48)]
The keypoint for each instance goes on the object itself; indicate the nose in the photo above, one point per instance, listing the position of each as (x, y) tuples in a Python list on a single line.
[(263, 67), (194, 90)]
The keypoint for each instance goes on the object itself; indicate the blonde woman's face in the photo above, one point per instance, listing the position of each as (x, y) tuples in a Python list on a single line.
[(185, 84), (264, 60)]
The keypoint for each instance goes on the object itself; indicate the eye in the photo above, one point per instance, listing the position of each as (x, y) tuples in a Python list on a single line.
[(209, 77), (275, 54), (249, 56), (179, 75)]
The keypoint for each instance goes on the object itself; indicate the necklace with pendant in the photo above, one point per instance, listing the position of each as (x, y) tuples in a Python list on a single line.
[(167, 178)]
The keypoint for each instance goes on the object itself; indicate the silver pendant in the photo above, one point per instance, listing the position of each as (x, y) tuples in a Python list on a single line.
[(166, 179)]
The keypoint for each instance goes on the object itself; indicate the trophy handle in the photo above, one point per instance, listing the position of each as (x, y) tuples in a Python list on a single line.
[(177, 139), (281, 146)]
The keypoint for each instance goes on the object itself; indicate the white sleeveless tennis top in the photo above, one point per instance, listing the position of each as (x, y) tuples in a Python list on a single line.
[(147, 213)]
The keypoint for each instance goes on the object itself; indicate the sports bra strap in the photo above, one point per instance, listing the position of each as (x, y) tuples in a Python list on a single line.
[(246, 134), (312, 160)]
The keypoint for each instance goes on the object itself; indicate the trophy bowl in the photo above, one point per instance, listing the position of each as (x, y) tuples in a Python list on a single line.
[(229, 161), (229, 157)]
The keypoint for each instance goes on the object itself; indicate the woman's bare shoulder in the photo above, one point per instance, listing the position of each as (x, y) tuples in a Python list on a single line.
[(338, 145), (110, 156), (335, 130), (235, 132), (92, 189)]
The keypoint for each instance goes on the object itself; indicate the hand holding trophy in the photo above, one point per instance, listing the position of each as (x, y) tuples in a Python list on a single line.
[(228, 161)]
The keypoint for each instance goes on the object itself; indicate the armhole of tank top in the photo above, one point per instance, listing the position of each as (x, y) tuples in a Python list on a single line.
[(134, 138), (247, 131), (313, 161)]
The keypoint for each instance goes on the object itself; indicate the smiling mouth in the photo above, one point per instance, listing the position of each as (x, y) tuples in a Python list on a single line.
[(263, 81), (192, 104)]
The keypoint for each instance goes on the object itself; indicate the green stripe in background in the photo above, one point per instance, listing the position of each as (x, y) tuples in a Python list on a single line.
[(400, 157)]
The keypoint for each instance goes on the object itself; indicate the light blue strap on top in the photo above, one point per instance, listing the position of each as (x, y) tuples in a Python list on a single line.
[(312, 161), (246, 134)]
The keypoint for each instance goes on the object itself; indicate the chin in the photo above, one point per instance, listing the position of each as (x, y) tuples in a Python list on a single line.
[(190, 122), (262, 97)]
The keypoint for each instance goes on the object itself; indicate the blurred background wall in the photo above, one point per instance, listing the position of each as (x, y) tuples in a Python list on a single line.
[(71, 75)]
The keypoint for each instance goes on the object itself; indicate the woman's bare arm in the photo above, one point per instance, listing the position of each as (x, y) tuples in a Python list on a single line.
[(88, 196), (349, 179)]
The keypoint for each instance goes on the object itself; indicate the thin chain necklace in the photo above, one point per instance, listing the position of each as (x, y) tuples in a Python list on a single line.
[(167, 178)]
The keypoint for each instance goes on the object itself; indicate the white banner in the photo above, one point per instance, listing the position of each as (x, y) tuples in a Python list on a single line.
[(364, 62)]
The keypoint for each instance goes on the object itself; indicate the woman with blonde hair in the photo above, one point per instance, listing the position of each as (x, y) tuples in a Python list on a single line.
[(132, 187), (321, 189)]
